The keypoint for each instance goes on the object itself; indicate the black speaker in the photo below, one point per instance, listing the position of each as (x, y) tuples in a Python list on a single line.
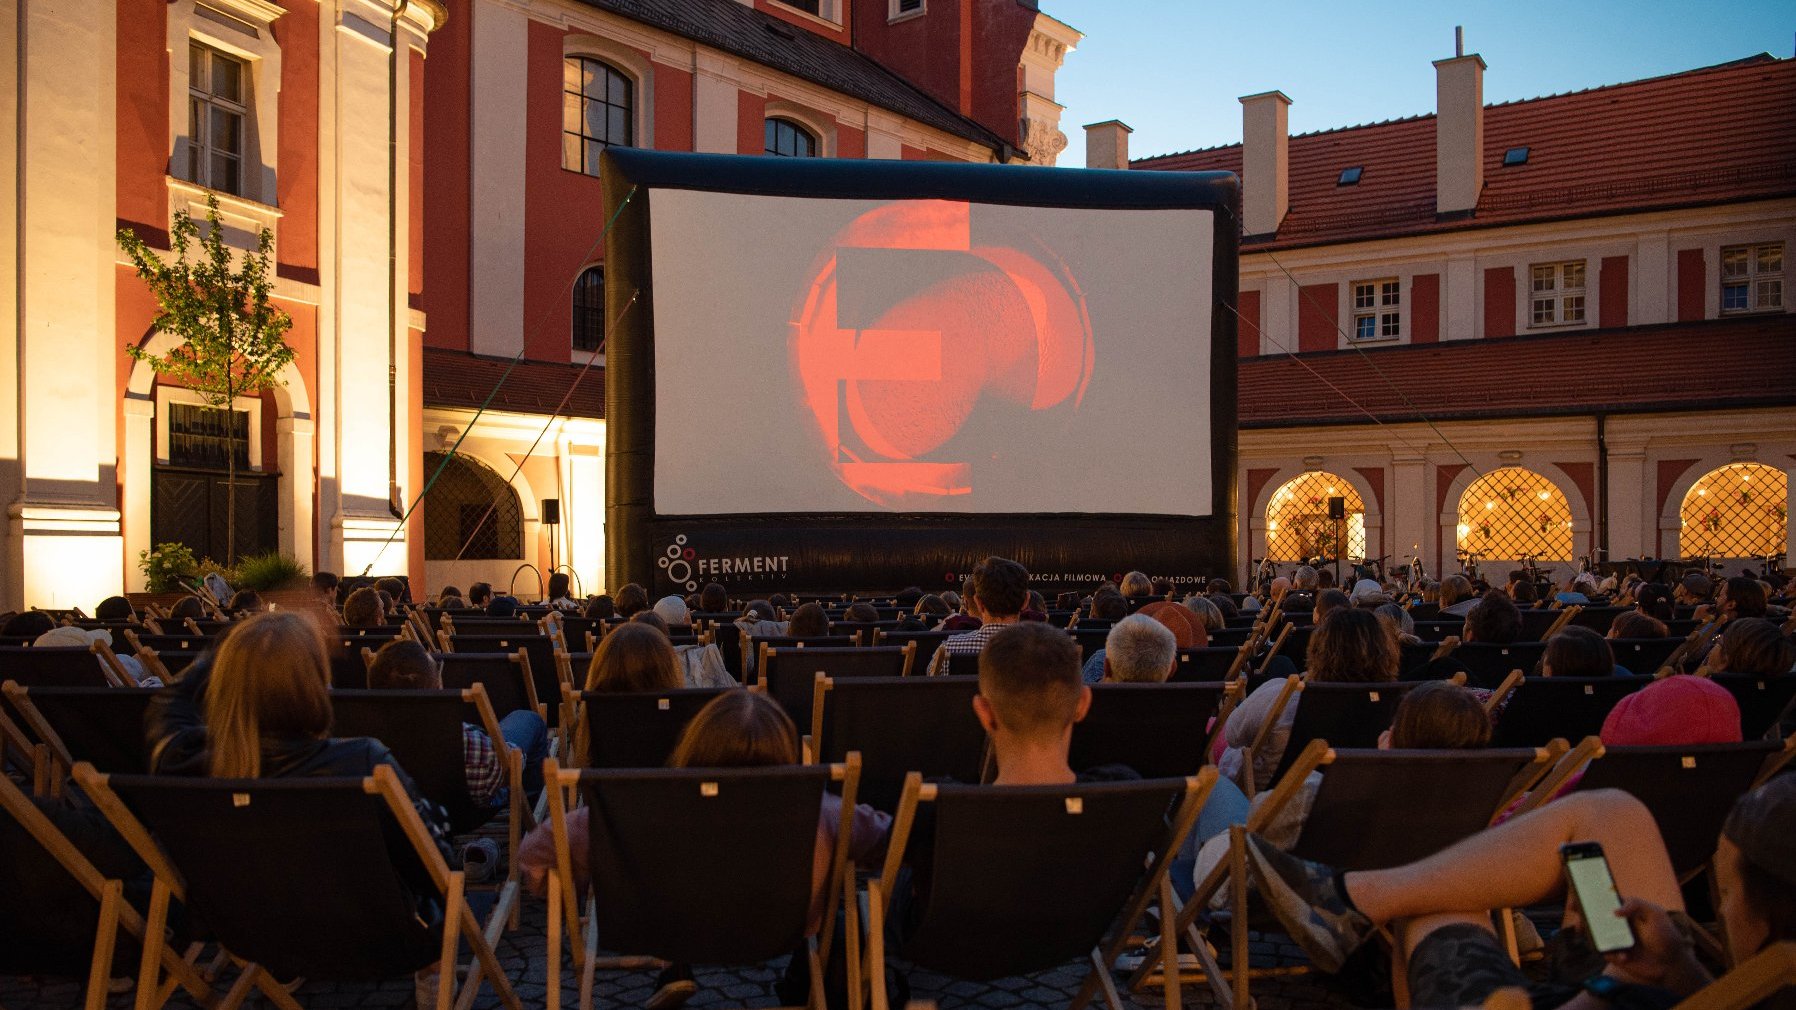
[(552, 511), (1337, 508)]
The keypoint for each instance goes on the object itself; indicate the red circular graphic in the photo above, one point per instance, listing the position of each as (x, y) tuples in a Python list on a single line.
[(689, 554)]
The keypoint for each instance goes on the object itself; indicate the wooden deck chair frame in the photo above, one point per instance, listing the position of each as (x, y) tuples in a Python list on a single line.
[(1233, 872), (50, 745), (568, 914), (33, 755), (1155, 883), (459, 922), (1751, 982), (115, 912)]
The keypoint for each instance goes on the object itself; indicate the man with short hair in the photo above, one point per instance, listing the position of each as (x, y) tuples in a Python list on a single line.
[(325, 585), (1693, 590), (1030, 695), (1139, 650), (1000, 589), (713, 599), (403, 664), (480, 594)]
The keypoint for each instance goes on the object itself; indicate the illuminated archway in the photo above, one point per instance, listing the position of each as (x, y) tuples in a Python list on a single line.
[(1513, 513), (1298, 526), (1737, 511)]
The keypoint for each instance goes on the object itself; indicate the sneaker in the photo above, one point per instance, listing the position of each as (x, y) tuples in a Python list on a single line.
[(480, 860), (674, 987), (1307, 903)]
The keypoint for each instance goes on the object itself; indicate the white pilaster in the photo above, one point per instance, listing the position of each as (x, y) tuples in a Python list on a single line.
[(1461, 300), (1650, 288), (714, 101), (1410, 506), (1630, 515), (499, 86), (1278, 308)]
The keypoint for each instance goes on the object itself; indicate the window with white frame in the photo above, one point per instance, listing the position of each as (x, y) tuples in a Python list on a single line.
[(217, 107), (786, 139), (1556, 294), (903, 8), (1377, 309), (828, 10), (1752, 277), (598, 110)]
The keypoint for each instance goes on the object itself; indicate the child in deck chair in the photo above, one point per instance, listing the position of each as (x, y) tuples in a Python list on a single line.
[(1437, 906), (259, 706), (404, 665), (740, 729)]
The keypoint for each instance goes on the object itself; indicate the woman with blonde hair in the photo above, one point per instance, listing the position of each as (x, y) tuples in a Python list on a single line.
[(634, 657), (1136, 585), (260, 707)]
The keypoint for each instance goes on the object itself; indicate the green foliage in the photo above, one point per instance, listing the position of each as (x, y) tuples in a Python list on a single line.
[(165, 563), (269, 571), (232, 341)]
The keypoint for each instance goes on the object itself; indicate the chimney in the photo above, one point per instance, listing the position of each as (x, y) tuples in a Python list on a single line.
[(1458, 134), (1265, 162), (1107, 144)]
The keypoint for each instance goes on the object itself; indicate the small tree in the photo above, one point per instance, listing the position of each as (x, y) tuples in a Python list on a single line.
[(231, 337)]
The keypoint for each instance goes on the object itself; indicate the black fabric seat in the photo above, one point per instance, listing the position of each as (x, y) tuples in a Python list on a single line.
[(1158, 730), (1597, 618), (639, 729), (1438, 629), (790, 675), (423, 729), (1689, 790), (1346, 715), (1207, 663), (1762, 700), (1089, 640), (100, 725), (1571, 708), (1486, 664), (502, 675), (539, 647), (36, 666), (1643, 656), (962, 664), (900, 725)]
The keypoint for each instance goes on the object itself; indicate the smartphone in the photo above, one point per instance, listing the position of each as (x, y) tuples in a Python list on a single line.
[(1595, 890)]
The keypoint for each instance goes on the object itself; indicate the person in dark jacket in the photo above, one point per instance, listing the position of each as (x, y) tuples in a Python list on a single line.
[(259, 707)]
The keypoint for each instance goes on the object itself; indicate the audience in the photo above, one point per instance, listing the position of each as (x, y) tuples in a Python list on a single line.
[(560, 588), (713, 599), (1138, 650), (1577, 652), (479, 595), (631, 600), (1636, 624), (809, 621), (1752, 645), (325, 585), (701, 664), (363, 610), (1136, 585), (1456, 598), (1492, 619)]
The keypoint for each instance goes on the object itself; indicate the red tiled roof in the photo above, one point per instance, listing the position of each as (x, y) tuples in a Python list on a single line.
[(460, 379), (1712, 135), (1680, 366)]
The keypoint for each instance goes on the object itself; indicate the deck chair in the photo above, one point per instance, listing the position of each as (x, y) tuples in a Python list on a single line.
[(1204, 664), (1440, 629), (331, 895), (1232, 636), (1570, 708), (729, 639), (1597, 618), (1688, 789), (962, 664), (1015, 880), (1643, 655), (1762, 700), (100, 725), (1158, 730), (637, 729), (423, 729), (1346, 715), (1751, 983), (1535, 624), (657, 887), (899, 725), (538, 647), (1374, 809), (759, 645), (1488, 663), (36, 666), (1089, 640), (505, 676), (790, 675), (48, 909)]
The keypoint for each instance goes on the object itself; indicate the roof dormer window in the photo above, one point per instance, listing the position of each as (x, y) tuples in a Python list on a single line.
[(1515, 156), (1350, 176)]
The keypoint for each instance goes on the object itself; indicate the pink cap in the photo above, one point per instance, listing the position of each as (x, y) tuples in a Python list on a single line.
[(1673, 712)]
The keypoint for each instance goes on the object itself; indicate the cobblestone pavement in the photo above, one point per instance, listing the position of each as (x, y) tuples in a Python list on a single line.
[(525, 959)]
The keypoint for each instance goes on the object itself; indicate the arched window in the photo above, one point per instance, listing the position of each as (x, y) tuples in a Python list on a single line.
[(456, 512), (589, 309), (598, 109), (789, 140), (1298, 526), (1738, 511), (1515, 512)]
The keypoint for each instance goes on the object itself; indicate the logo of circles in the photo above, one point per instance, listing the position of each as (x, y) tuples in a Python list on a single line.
[(678, 563)]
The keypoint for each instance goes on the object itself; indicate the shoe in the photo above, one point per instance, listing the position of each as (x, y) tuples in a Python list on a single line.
[(480, 860), (1304, 897), (674, 987)]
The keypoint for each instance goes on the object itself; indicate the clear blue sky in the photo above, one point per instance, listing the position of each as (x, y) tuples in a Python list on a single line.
[(1173, 69)]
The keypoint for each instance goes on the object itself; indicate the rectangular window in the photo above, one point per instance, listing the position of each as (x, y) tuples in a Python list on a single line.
[(1752, 277), (1377, 309), (217, 106), (1556, 294), (903, 8)]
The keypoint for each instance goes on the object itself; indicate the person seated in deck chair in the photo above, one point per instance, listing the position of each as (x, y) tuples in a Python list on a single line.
[(1437, 715), (1000, 589), (115, 609), (632, 599), (702, 665), (324, 584), (1634, 624), (70, 637), (259, 706), (1138, 650), (1577, 651), (405, 665), (1188, 630), (741, 729), (479, 595), (1439, 907), (1456, 597), (713, 599), (362, 609), (1752, 645), (560, 589), (1494, 620)]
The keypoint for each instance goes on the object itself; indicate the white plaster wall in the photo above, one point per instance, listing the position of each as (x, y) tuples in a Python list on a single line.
[(498, 85), (714, 103)]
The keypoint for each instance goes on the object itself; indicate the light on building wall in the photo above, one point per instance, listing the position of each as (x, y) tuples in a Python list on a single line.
[(1489, 506), (1331, 490), (1544, 495), (1746, 477), (1463, 530), (1702, 492)]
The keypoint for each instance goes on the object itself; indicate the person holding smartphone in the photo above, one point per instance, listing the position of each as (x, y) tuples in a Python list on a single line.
[(1599, 849)]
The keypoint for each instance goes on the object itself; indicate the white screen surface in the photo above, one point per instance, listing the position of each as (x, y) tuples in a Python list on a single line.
[(829, 356)]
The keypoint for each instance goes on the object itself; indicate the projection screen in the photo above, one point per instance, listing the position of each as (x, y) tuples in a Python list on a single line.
[(835, 375)]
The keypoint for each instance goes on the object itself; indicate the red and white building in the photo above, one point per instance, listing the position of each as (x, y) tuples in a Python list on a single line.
[(1545, 327), (427, 169)]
